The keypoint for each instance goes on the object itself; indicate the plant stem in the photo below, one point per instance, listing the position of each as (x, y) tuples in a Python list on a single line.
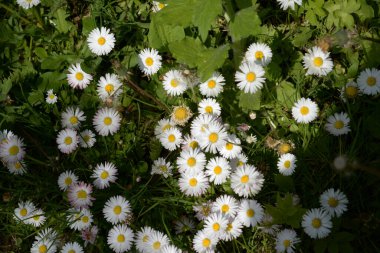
[(14, 13)]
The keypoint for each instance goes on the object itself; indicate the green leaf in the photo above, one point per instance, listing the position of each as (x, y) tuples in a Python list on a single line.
[(188, 51), (249, 102), (161, 34), (365, 11), (88, 24), (286, 94), (212, 60), (62, 25), (320, 246), (5, 87), (301, 38), (40, 52), (205, 16), (245, 23), (284, 183), (35, 97), (177, 12)]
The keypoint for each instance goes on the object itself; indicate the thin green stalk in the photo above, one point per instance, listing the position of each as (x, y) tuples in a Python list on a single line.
[(14, 13)]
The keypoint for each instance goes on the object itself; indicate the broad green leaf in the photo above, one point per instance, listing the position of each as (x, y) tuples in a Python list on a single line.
[(301, 38), (62, 24), (177, 12), (188, 51), (365, 11), (245, 23), (249, 102), (35, 97), (40, 52), (286, 94), (212, 60), (88, 24), (5, 87), (205, 16), (161, 34)]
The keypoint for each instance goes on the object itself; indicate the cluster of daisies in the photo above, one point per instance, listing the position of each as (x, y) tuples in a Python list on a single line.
[(12, 152)]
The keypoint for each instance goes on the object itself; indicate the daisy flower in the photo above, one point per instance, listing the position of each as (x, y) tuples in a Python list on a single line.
[(338, 124), (214, 137), (117, 209), (216, 224), (120, 238), (286, 4), (26, 4), (350, 90), (183, 225), (77, 78), (79, 195), (369, 81), (181, 114), (149, 61), (267, 225), (218, 169), (204, 242), (161, 167), (201, 123), (142, 238), (12, 149), (67, 140), (193, 184), (170, 249), (232, 147), (317, 62), (79, 219), (259, 53), (250, 212), (234, 230), (226, 205), (24, 211), (213, 86), (89, 235), (334, 202), (239, 161), (156, 241), (87, 139), (251, 139), (104, 174), (106, 121), (286, 241), (45, 245), (5, 135), (189, 142), (203, 210), (109, 86), (17, 168), (72, 247), (51, 98), (287, 164), (101, 41), (174, 83), (191, 160), (157, 6), (66, 179), (247, 181), (162, 126), (317, 223), (72, 117), (209, 106), (37, 218), (250, 77), (171, 139), (285, 147), (305, 110)]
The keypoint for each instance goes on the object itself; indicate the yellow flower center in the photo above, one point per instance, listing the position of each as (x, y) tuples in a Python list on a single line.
[(163, 168), (161, 5), (156, 245), (206, 210), (206, 242), (251, 77), (174, 83), (240, 163), (86, 138), (36, 218), (166, 127), (191, 161), (68, 181), (244, 179), (42, 249), (208, 109), (229, 146), (333, 202), (171, 138), (82, 194), (181, 113), (318, 61), (73, 120), (225, 208), (23, 212), (120, 238), (351, 91), (217, 170), (14, 150), (304, 110), (18, 165), (109, 88), (259, 55), (52, 96), (371, 81), (68, 140), (250, 213), (193, 182), (117, 210), (338, 124), (101, 41), (216, 227), (79, 76), (145, 238), (229, 227), (104, 174), (286, 243), (107, 121), (85, 219), (213, 137), (193, 144), (285, 148), (71, 251), (149, 61), (316, 223), (287, 164), (211, 84)]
